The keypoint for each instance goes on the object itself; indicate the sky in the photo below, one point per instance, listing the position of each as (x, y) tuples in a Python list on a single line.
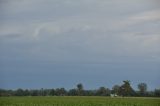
[(59, 43)]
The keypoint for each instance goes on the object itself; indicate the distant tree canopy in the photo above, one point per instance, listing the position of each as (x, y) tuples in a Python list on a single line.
[(116, 89), (157, 92), (142, 88), (126, 89), (121, 90), (80, 90), (102, 91)]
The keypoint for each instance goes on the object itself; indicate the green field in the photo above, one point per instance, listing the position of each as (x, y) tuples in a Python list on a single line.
[(77, 101)]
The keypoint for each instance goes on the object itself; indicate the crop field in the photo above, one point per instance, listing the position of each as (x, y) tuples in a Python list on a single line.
[(78, 101)]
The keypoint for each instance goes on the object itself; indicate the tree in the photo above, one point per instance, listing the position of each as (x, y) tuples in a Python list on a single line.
[(102, 91), (60, 92), (4, 92), (72, 92), (79, 86), (80, 89), (19, 92), (115, 89), (46, 92), (126, 89), (26, 92), (157, 92), (89, 92), (142, 88), (52, 92), (34, 92), (63, 91)]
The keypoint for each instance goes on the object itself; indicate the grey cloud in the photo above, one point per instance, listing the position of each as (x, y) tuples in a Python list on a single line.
[(68, 37)]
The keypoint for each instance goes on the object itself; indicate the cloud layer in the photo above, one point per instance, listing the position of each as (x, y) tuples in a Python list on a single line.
[(82, 34)]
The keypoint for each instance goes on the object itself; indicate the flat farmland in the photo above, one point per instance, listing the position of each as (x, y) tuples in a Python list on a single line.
[(78, 101)]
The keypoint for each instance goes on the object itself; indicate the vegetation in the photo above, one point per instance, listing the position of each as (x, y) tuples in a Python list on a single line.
[(142, 89), (78, 101), (124, 90)]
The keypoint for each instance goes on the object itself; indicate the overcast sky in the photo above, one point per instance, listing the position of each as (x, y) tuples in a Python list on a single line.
[(59, 43)]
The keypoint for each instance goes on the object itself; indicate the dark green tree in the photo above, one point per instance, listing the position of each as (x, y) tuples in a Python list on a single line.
[(89, 92), (79, 86), (80, 89), (157, 92), (102, 91), (142, 88), (46, 92), (72, 92), (19, 92), (60, 92), (52, 92), (126, 89), (26, 92), (116, 89), (35, 93)]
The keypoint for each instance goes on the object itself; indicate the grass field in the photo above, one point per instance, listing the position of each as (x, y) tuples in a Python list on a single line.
[(77, 101)]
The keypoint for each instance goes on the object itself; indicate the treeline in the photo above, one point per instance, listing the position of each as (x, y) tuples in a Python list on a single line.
[(117, 90)]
